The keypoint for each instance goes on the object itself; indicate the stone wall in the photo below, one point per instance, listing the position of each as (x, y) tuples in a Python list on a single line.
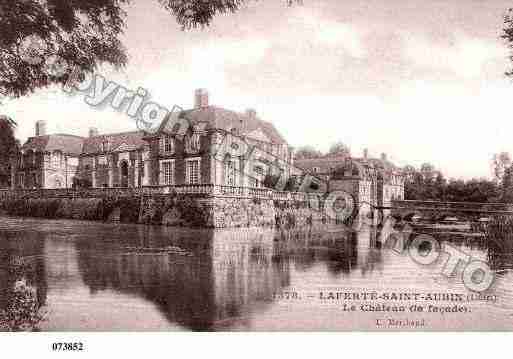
[(187, 210)]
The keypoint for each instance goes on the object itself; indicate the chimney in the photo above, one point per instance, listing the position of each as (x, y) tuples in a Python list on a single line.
[(251, 113), (383, 156), (200, 98), (365, 153), (93, 132), (40, 128)]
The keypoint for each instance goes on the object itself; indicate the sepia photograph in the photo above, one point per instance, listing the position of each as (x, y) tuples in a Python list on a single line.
[(255, 166)]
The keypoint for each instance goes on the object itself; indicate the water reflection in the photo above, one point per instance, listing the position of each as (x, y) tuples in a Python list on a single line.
[(197, 279), (214, 279)]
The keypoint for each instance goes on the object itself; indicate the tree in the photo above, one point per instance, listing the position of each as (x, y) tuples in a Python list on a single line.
[(41, 41), (409, 173), (439, 187), (500, 162), (307, 152), (507, 186), (428, 172), (508, 33), (9, 147), (339, 149)]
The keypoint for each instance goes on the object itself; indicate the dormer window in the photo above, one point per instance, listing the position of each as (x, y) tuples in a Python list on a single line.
[(105, 145), (168, 144), (192, 143)]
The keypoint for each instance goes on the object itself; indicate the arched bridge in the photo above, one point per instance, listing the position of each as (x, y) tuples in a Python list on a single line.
[(434, 210)]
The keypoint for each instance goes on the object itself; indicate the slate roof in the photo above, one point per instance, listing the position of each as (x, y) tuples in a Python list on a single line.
[(213, 117), (325, 164), (133, 139), (210, 117), (68, 144), (380, 163), (76, 145)]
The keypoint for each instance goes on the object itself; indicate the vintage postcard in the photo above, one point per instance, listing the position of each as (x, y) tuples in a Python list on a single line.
[(255, 166)]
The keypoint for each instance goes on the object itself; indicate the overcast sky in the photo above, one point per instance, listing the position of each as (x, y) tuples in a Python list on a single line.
[(419, 80)]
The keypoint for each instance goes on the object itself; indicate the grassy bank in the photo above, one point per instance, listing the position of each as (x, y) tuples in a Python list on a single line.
[(80, 208)]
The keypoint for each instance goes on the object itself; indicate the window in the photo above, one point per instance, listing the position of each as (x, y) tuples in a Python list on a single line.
[(105, 145), (22, 180), (230, 174), (168, 144), (316, 169), (192, 143), (167, 172), (192, 171), (56, 159)]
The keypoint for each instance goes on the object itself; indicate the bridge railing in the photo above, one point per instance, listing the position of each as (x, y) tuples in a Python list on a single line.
[(452, 205)]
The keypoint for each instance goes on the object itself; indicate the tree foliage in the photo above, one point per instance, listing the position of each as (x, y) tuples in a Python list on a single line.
[(307, 152), (83, 33), (500, 162), (339, 149), (336, 149), (508, 34), (9, 147), (38, 35), (22, 312), (430, 184)]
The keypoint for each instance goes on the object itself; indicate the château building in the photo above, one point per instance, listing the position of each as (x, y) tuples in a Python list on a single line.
[(373, 182), (217, 146), (203, 146)]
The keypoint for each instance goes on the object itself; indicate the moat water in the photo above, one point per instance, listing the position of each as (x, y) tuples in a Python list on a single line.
[(104, 277)]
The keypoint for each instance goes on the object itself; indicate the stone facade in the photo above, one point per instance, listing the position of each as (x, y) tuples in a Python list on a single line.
[(371, 182), (212, 145), (47, 161)]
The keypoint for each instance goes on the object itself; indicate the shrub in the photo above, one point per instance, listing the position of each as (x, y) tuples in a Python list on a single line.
[(105, 208), (129, 209), (22, 312), (499, 229)]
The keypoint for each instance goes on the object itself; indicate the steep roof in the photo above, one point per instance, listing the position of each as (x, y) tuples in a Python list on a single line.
[(324, 164), (380, 163), (213, 117), (68, 144), (76, 145), (129, 140)]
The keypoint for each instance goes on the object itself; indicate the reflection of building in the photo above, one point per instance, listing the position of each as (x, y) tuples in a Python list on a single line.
[(215, 281), (174, 155)]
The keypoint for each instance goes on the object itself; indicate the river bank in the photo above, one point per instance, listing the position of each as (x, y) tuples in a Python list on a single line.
[(170, 210)]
